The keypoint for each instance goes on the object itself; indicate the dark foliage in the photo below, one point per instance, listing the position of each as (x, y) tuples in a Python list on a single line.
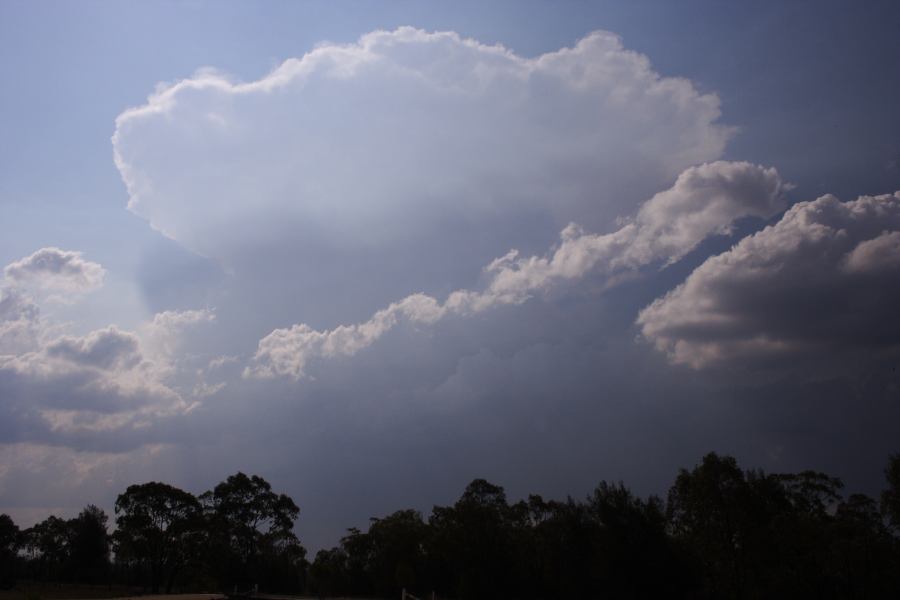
[(721, 533), (250, 535), (74, 550), (157, 533), (9, 545)]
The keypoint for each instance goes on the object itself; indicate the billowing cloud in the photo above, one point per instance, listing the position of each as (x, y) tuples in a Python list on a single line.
[(824, 280), (106, 349), (53, 383), (704, 200), (101, 373), (165, 332), (55, 270), (171, 322), (359, 173), (74, 390)]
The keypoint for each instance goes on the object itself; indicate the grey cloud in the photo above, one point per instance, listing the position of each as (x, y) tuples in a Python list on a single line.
[(97, 389), (880, 254), (823, 281), (165, 333), (550, 397), (55, 269), (106, 349), (19, 322), (704, 200)]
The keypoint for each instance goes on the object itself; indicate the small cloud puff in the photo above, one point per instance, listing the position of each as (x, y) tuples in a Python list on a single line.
[(55, 270)]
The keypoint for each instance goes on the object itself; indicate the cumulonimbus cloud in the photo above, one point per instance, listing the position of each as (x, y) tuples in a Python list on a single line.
[(704, 200), (371, 142), (55, 270), (825, 279)]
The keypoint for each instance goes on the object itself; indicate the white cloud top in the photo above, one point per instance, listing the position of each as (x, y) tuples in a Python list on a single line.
[(374, 141)]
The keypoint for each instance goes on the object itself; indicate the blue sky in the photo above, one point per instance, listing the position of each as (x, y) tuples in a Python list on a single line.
[(188, 355)]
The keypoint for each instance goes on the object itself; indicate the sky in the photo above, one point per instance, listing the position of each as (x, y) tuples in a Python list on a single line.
[(372, 251)]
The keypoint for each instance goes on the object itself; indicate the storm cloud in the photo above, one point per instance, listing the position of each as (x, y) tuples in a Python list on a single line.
[(389, 266), (704, 200)]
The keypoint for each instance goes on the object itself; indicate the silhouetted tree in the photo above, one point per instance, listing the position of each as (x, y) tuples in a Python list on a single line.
[(472, 543), (9, 546), (355, 561), (724, 533), (864, 553), (47, 543), (328, 573), (567, 554), (89, 545), (387, 558), (157, 526), (890, 498), (640, 560), (711, 512), (250, 525)]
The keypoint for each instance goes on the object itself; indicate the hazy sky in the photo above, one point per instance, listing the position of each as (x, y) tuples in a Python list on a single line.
[(371, 251)]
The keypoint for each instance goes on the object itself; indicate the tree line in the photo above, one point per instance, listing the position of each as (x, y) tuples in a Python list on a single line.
[(237, 534), (721, 532)]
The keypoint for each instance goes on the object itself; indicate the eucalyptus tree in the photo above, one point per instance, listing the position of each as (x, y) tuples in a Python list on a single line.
[(89, 544), (9, 545), (47, 543), (251, 528), (890, 498), (157, 527)]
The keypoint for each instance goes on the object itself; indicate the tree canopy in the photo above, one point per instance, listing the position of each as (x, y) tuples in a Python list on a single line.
[(721, 532)]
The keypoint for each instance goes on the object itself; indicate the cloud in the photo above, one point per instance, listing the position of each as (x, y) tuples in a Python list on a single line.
[(55, 270), (19, 322), (823, 281), (368, 139), (68, 389), (878, 255), (171, 322), (52, 385), (705, 200), (93, 389), (358, 173), (103, 371), (165, 332), (106, 349)]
